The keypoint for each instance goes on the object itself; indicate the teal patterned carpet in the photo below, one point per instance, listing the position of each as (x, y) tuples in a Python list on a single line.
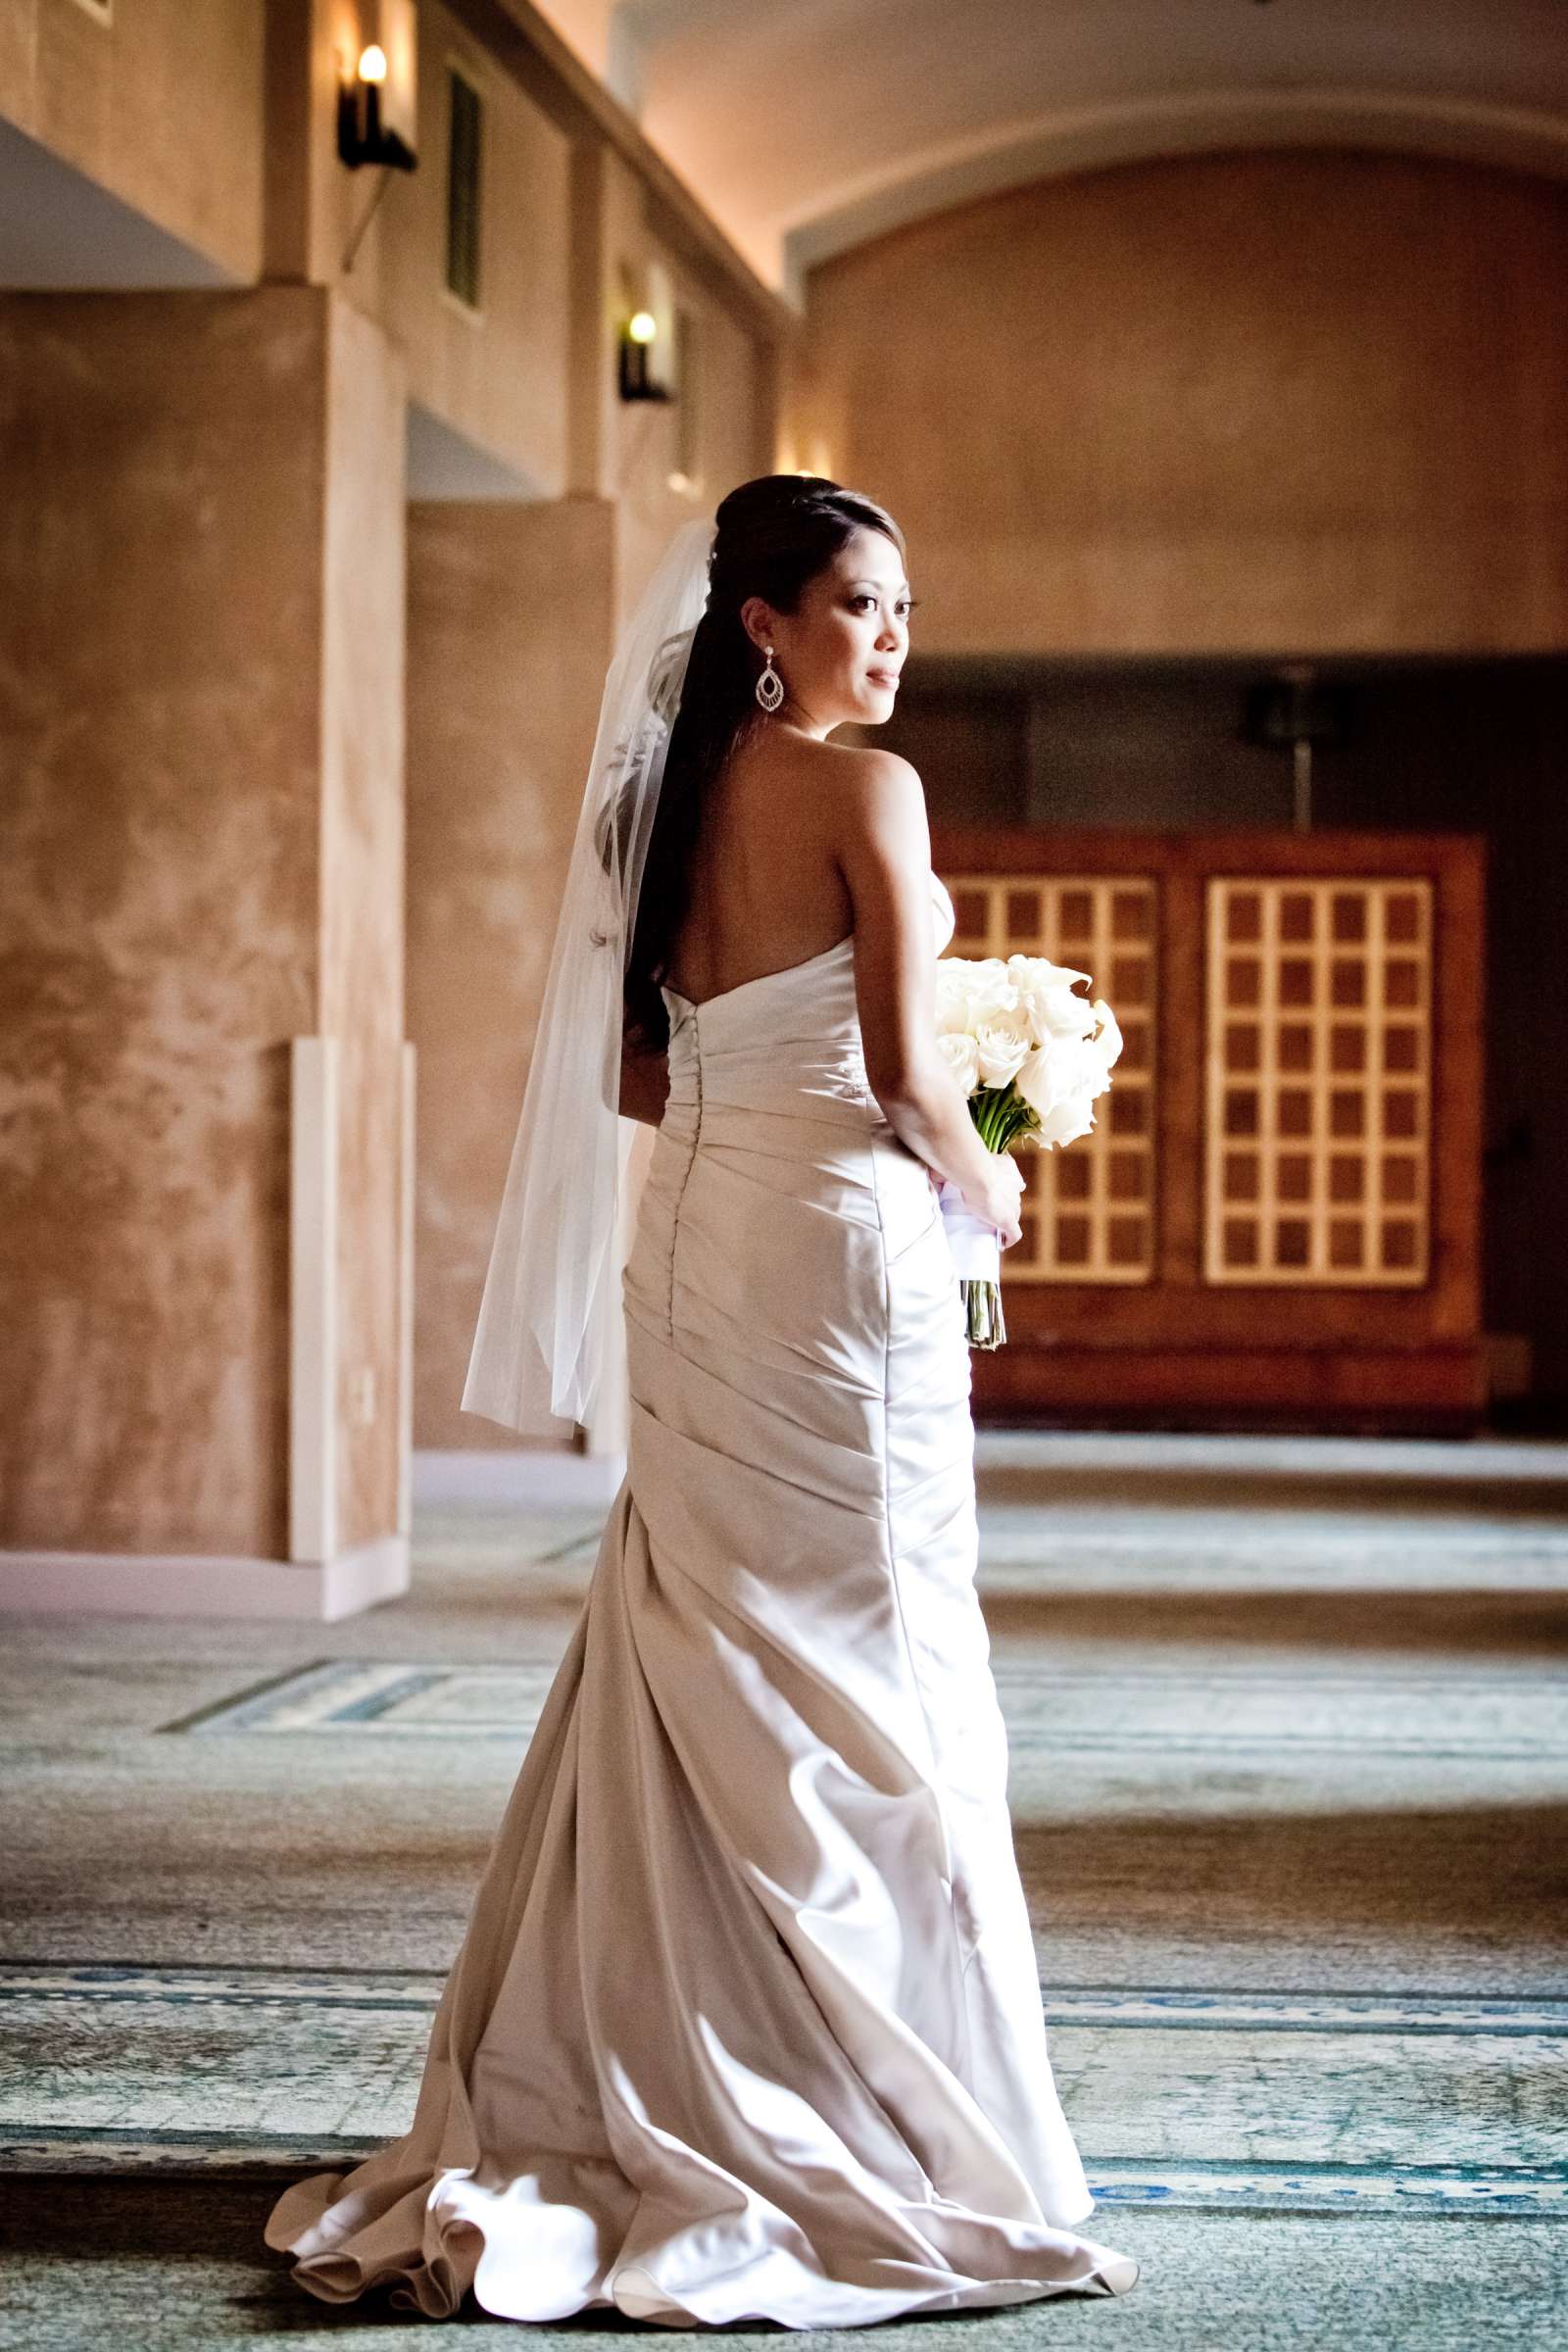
[(1289, 1738)]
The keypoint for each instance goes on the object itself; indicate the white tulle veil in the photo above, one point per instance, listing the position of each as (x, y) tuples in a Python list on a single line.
[(540, 1344)]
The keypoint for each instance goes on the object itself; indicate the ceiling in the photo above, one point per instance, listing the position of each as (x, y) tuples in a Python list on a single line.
[(60, 228), (805, 126)]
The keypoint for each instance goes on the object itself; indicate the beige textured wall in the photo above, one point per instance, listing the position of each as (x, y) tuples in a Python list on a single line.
[(499, 377), (734, 428), (509, 631), (1248, 401), (163, 111), (503, 376), (361, 904), (203, 495), (224, 131)]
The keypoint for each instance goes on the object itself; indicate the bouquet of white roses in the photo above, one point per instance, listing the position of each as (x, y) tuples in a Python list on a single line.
[(1032, 1055)]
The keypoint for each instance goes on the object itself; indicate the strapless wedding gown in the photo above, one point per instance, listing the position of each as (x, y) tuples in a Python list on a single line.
[(746, 2023)]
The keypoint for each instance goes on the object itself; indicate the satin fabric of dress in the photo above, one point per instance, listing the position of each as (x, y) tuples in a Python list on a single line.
[(746, 2023)]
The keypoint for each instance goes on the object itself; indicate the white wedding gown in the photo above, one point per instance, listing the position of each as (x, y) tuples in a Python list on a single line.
[(746, 2023)]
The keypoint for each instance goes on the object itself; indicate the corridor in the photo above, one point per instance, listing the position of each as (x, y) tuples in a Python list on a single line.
[(1289, 1788)]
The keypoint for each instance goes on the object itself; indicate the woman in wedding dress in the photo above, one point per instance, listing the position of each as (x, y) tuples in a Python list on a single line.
[(746, 2024)]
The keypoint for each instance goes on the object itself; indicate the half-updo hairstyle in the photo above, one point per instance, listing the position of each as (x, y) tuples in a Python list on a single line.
[(773, 535)]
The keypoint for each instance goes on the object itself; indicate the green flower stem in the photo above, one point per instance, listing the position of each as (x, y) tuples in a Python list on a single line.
[(982, 1314), (1000, 1116)]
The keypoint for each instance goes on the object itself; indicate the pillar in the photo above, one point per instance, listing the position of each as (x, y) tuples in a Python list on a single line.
[(205, 1093), (511, 621)]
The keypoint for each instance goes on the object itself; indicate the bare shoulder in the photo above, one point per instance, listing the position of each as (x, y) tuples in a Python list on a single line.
[(881, 804)]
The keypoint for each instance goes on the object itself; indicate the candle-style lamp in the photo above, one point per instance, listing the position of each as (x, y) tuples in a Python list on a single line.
[(637, 338), (363, 133)]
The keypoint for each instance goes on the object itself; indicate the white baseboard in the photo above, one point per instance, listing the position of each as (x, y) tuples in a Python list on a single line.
[(537, 1479), (114, 1584)]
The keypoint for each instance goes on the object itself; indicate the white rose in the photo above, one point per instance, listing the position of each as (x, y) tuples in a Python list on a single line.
[(1065, 1013), (1003, 1041), (960, 1052), (991, 988), (1061, 1011), (1070, 1118), (953, 995), (970, 990), (1059, 1081), (1036, 1079), (1086, 1071), (1108, 1037), (1079, 1077), (1049, 994)]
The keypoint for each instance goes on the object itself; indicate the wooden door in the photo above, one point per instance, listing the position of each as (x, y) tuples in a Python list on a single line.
[(1276, 1218)]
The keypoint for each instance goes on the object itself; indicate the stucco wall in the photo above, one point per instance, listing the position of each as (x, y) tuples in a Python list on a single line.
[(200, 575), (224, 133), (733, 430), (499, 375), (509, 634), (1235, 403), (361, 903), (163, 111)]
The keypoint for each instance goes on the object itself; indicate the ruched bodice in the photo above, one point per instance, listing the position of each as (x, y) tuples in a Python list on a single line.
[(747, 2022), (802, 1018), (785, 1048)]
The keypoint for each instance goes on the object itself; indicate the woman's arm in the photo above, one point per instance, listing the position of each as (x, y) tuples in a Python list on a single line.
[(884, 853), (644, 1085)]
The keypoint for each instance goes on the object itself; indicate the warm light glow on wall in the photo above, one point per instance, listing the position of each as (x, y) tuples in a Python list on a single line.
[(377, 102), (397, 36), (638, 380)]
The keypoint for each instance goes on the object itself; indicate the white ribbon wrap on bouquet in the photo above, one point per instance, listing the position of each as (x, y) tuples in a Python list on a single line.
[(976, 1247)]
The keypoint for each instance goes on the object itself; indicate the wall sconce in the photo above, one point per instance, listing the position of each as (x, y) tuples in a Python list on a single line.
[(363, 136), (376, 103), (637, 339), (1296, 710)]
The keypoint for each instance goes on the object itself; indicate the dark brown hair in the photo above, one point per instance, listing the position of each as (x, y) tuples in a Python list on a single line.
[(774, 535)]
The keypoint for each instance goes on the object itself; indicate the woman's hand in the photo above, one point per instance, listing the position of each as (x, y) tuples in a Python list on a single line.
[(999, 1202)]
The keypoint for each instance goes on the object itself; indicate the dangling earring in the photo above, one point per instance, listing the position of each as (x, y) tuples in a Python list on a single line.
[(770, 686)]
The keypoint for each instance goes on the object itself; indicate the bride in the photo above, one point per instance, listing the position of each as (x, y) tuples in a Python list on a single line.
[(746, 2023)]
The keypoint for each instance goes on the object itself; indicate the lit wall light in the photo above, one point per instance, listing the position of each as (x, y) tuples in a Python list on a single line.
[(376, 98), (638, 380)]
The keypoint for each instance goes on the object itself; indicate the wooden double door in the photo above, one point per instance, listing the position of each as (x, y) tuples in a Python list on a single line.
[(1276, 1219)]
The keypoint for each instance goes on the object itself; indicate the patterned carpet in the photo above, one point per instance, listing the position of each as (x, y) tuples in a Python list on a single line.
[(1290, 1782)]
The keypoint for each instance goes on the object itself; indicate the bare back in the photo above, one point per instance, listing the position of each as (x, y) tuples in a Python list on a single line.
[(767, 887)]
